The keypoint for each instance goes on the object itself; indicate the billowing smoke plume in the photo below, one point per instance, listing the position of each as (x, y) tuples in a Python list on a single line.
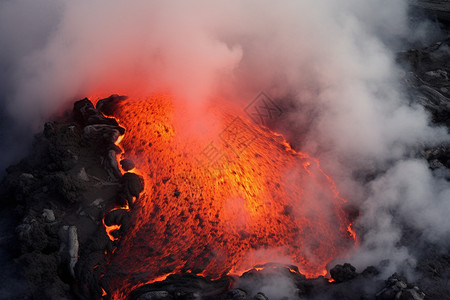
[(333, 60)]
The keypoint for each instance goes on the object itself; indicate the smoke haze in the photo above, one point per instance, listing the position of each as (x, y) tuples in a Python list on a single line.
[(332, 58)]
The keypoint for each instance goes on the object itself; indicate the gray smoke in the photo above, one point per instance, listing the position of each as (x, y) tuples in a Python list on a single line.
[(333, 58)]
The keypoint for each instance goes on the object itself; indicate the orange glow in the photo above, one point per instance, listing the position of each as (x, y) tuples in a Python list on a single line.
[(119, 140), (161, 278), (110, 229), (351, 231), (266, 267), (258, 201)]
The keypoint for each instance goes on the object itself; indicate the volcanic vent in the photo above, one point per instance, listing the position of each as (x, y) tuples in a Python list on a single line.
[(216, 206)]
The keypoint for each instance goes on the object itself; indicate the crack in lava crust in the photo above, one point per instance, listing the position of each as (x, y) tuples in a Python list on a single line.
[(266, 203)]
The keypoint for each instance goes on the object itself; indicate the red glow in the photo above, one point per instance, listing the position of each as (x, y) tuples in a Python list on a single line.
[(351, 231), (111, 228), (265, 203)]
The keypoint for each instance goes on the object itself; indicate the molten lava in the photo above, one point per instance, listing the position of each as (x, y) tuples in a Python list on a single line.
[(224, 204)]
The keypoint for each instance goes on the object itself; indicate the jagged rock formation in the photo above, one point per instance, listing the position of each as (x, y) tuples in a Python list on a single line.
[(437, 8), (61, 192), (428, 82)]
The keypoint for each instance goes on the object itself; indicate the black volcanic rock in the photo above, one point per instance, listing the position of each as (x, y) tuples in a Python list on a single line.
[(260, 296), (397, 287), (33, 235), (85, 114), (186, 286), (108, 105), (437, 8), (41, 271), (132, 186), (156, 295), (437, 157), (428, 83), (435, 270), (127, 164), (133, 183), (115, 217), (236, 294), (370, 271), (102, 134), (342, 273), (60, 193)]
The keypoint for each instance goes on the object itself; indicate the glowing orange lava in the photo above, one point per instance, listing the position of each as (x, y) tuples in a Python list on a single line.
[(111, 228), (222, 204)]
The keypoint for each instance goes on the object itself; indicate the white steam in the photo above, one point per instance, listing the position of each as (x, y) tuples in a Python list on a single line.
[(335, 57), (276, 286), (407, 195)]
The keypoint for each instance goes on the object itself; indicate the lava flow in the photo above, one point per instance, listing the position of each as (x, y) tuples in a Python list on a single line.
[(222, 204)]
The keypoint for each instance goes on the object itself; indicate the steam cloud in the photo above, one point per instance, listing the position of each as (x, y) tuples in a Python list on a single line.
[(333, 59)]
